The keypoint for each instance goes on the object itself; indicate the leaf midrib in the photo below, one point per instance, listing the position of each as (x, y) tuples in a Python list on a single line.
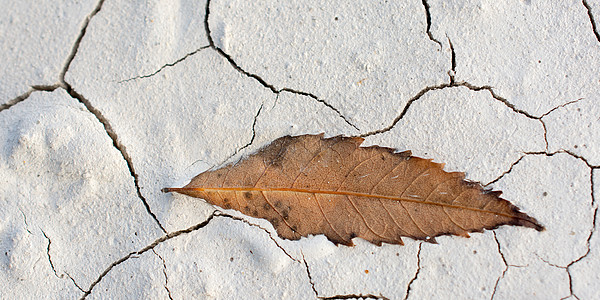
[(344, 193)]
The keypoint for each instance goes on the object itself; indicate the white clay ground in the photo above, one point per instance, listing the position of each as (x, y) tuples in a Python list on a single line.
[(103, 103)]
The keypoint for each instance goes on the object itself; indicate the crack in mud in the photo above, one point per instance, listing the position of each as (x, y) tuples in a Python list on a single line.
[(24, 96), (547, 113), (541, 153), (546, 141), (345, 296), (568, 275), (104, 121), (452, 71), (164, 273), (471, 87), (253, 133), (452, 83), (591, 16), (166, 237), (107, 127), (503, 261), (75, 48), (303, 261), (120, 147), (225, 215), (355, 296), (497, 97), (61, 276), (314, 97), (16, 100), (27, 225), (444, 86), (243, 147), (506, 265), (405, 110), (310, 280), (589, 238), (408, 287), (506, 172), (592, 205), (165, 65), (428, 18), (50, 88), (74, 282), (260, 80), (565, 152), (50, 257)]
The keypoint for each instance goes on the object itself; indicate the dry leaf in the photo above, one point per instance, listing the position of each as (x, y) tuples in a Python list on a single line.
[(309, 185)]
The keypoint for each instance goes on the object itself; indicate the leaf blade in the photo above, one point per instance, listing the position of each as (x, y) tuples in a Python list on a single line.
[(310, 185)]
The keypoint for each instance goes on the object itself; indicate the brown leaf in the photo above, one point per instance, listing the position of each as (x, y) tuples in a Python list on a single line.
[(309, 185)]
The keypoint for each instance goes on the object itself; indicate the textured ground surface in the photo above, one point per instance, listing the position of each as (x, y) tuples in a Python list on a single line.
[(103, 103)]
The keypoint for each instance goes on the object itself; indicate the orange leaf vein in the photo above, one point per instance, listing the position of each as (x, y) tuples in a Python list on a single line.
[(344, 193)]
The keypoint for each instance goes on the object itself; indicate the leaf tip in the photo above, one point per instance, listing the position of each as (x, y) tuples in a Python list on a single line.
[(532, 224), (525, 220), (539, 227), (166, 190)]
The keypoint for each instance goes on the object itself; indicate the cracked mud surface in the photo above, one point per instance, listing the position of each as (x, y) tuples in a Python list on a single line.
[(111, 101)]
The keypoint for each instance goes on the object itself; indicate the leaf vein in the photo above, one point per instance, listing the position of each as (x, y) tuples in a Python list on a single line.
[(280, 215), (311, 160), (364, 220), (325, 217)]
